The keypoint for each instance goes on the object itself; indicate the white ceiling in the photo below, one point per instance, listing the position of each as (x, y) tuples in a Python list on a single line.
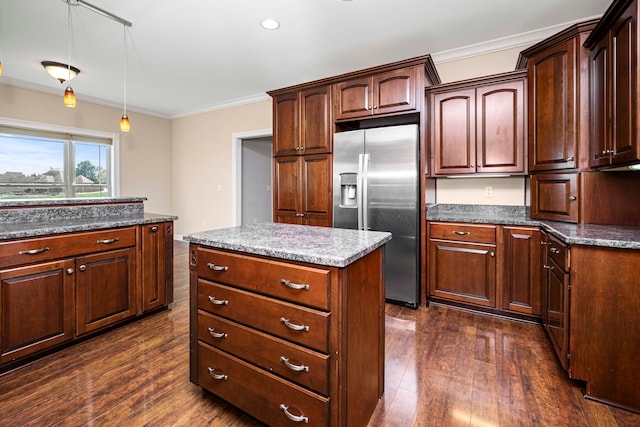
[(188, 56)]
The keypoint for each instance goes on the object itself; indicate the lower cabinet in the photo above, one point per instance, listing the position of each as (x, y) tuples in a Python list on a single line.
[(484, 265), (156, 267)]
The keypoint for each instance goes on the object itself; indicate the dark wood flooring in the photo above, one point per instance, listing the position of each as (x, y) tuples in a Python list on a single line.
[(444, 367)]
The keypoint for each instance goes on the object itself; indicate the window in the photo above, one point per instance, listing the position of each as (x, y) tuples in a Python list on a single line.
[(37, 163)]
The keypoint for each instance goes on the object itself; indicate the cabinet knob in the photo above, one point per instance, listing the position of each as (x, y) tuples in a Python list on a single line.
[(569, 159), (82, 267), (572, 198), (154, 229), (554, 250), (492, 254), (69, 271)]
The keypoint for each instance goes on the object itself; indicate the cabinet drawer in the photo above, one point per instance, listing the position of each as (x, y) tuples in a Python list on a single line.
[(308, 368), (463, 232), (296, 283), (559, 252), (305, 326), (54, 247), (258, 392)]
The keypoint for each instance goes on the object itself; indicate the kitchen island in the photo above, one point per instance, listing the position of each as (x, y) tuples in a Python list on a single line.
[(287, 321)]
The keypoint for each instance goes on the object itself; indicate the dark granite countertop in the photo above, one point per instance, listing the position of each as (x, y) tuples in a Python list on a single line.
[(68, 202), (574, 234), (334, 247)]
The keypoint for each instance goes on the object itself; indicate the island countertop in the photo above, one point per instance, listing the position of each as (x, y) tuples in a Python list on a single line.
[(334, 247)]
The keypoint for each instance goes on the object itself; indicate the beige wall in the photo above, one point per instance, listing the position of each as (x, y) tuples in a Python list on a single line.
[(202, 164), (145, 162), (506, 191)]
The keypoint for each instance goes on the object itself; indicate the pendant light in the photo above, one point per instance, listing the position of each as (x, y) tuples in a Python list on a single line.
[(125, 125), (69, 96)]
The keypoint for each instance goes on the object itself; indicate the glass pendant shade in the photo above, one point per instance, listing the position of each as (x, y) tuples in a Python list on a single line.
[(125, 125), (69, 97), (0, 68)]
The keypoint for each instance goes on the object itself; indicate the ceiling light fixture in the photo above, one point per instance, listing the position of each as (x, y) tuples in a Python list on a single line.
[(269, 24), (125, 124), (60, 71)]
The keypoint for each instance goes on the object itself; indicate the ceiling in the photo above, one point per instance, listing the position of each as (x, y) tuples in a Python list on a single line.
[(189, 56)]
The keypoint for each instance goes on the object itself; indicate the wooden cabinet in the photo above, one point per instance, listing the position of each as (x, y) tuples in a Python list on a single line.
[(36, 308), (554, 196), (558, 100), (271, 336), (302, 122), (613, 48), (156, 267), (302, 189), (520, 269), (382, 93), (478, 125)]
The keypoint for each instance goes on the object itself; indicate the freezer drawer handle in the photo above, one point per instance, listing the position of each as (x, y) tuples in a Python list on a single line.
[(215, 334), (214, 267), (34, 251), (295, 418), (297, 368), (461, 233), (212, 373), (215, 301), (108, 241), (293, 326), (292, 285)]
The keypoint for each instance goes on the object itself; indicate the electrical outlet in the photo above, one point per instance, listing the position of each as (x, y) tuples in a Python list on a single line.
[(488, 191)]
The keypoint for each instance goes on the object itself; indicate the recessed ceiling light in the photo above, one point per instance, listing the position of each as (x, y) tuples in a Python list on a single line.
[(269, 24)]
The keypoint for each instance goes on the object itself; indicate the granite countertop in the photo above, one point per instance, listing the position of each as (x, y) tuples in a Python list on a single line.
[(68, 202), (574, 234), (333, 247)]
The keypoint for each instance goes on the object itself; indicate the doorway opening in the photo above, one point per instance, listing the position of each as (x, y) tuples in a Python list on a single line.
[(252, 177)]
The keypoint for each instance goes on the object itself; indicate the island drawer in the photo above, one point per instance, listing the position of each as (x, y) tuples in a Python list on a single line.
[(306, 367), (463, 232), (559, 252), (28, 251), (296, 283), (298, 324), (258, 392)]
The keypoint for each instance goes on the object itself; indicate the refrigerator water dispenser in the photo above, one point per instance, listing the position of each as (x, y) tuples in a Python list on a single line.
[(348, 189)]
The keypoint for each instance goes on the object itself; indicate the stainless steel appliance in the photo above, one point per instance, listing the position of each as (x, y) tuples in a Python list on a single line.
[(375, 187)]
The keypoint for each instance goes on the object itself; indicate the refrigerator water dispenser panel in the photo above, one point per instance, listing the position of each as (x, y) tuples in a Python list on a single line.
[(348, 190)]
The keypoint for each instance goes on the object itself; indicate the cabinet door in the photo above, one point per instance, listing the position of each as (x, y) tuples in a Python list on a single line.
[(105, 289), (552, 108), (521, 270), (353, 98), (156, 268), (554, 196), (454, 132), (36, 308), (316, 123), (600, 107), (500, 122), (317, 200), (557, 311), (394, 91), (544, 278), (462, 272), (286, 137), (287, 186)]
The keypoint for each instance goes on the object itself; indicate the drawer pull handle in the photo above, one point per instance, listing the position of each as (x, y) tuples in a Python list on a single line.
[(214, 267), (295, 418), (34, 251), (220, 377), (215, 334), (548, 267), (461, 233), (215, 301), (554, 250), (297, 368), (292, 285), (108, 241), (293, 326)]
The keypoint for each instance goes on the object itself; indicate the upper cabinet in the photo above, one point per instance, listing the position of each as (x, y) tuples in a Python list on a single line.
[(302, 122), (558, 100), (613, 64), (478, 125)]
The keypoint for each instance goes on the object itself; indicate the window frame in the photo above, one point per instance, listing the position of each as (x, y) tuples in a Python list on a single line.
[(80, 132)]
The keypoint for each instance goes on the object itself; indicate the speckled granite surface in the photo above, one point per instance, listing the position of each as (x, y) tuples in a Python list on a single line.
[(574, 234), (32, 218), (316, 245)]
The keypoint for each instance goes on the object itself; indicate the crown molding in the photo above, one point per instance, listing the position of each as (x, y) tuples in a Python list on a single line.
[(221, 105)]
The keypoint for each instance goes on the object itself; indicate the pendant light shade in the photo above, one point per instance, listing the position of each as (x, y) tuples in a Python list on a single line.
[(0, 68), (125, 124), (69, 97)]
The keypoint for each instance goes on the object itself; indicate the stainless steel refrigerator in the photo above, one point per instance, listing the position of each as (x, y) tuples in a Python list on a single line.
[(376, 187)]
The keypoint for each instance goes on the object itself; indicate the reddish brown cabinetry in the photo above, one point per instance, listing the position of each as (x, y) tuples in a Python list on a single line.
[(156, 267), (554, 196), (478, 125), (520, 269)]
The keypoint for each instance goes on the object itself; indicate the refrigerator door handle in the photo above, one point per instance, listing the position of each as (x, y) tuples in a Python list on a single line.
[(359, 189), (365, 196)]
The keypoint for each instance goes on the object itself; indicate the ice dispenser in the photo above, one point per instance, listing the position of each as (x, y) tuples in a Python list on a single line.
[(348, 189)]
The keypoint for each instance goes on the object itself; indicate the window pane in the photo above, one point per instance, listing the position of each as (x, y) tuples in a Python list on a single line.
[(91, 166), (31, 167)]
